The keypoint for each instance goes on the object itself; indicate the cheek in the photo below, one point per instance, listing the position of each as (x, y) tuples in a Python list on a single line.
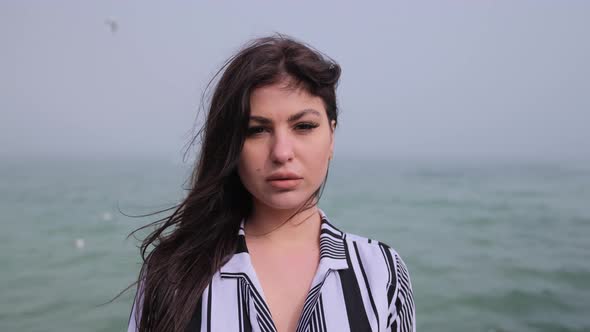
[(318, 158), (243, 169), (248, 167)]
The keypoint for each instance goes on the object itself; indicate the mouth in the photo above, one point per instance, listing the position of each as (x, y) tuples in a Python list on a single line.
[(285, 183), (283, 176), (284, 180)]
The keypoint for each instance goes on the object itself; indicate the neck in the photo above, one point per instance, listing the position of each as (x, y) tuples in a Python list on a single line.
[(267, 224)]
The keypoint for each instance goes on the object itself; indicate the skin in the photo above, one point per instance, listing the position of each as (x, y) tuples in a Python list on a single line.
[(285, 253)]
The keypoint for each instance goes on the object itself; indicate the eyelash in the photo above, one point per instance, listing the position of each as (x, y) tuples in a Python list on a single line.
[(303, 126)]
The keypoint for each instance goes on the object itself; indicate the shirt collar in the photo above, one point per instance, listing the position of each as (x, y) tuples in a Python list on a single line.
[(332, 250)]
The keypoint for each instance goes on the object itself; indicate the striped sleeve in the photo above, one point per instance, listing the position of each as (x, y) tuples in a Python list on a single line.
[(402, 311)]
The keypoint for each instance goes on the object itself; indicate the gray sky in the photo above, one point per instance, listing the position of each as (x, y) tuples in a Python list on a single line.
[(443, 79)]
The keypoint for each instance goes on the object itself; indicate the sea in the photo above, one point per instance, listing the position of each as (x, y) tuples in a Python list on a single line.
[(490, 245)]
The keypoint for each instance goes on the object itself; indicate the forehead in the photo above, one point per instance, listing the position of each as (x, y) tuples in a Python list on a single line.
[(278, 100)]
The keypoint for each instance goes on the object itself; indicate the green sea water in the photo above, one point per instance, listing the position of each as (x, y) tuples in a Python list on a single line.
[(490, 246)]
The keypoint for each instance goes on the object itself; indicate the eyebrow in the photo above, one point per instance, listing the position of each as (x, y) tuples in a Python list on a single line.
[(292, 118)]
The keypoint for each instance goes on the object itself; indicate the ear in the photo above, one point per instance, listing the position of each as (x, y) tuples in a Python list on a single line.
[(332, 129)]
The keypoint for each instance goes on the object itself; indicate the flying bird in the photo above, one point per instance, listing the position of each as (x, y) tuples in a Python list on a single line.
[(113, 25)]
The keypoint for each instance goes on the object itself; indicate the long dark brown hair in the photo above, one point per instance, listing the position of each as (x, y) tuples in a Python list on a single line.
[(188, 246)]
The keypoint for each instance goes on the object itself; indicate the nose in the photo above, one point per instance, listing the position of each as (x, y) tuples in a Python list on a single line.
[(281, 148)]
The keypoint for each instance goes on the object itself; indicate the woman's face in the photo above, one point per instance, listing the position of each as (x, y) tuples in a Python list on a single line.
[(287, 148)]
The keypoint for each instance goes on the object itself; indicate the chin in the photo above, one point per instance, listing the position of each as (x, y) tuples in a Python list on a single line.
[(285, 201)]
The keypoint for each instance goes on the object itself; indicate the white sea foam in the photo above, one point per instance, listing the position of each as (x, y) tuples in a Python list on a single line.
[(80, 243)]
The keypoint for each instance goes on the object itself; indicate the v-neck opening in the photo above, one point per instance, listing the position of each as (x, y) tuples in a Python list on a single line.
[(332, 257)]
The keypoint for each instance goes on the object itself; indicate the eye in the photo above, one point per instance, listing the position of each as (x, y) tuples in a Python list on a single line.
[(255, 131), (306, 126)]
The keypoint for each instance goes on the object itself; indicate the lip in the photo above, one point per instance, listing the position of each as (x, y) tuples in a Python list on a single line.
[(285, 183), (281, 176), (284, 180)]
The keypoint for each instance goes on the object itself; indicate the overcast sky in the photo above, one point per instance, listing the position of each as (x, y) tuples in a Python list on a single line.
[(443, 79)]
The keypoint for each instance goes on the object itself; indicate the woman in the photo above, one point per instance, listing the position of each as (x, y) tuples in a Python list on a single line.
[(249, 249)]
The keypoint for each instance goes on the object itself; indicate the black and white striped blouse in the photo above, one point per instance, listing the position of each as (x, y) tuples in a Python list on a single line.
[(360, 285)]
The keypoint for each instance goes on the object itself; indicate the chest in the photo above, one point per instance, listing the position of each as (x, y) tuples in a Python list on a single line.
[(286, 278)]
